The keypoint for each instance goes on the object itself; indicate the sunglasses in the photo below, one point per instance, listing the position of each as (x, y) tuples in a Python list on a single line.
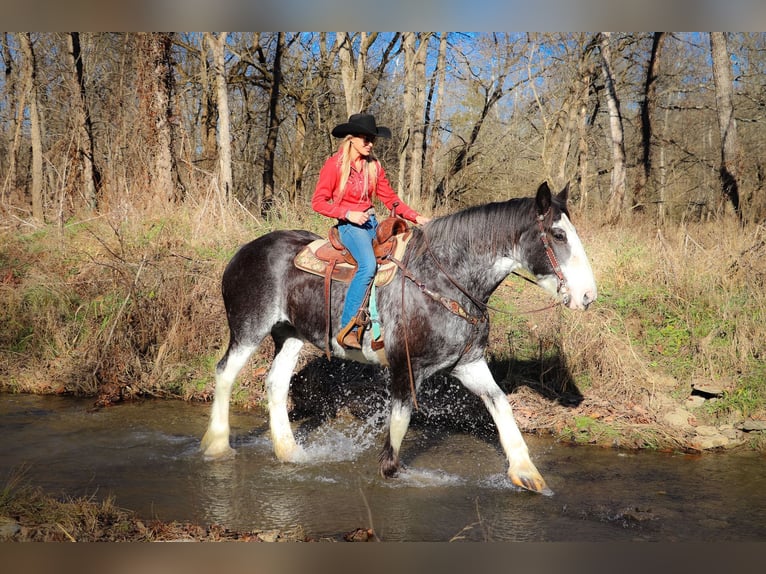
[(366, 138)]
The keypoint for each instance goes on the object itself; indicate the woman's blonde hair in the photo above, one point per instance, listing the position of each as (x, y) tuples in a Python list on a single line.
[(370, 172)]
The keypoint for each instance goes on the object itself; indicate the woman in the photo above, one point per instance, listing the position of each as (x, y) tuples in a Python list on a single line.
[(347, 184)]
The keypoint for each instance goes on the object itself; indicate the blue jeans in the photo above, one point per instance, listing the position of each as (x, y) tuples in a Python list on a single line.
[(358, 240)]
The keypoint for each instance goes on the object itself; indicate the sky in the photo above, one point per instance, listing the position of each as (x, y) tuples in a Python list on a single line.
[(391, 15)]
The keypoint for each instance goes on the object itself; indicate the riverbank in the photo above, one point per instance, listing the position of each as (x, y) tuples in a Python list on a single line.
[(670, 357)]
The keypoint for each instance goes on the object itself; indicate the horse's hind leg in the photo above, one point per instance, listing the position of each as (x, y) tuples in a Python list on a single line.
[(277, 389), (477, 378), (215, 442)]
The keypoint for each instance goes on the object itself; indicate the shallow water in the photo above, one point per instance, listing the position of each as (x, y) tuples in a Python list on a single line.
[(146, 455)]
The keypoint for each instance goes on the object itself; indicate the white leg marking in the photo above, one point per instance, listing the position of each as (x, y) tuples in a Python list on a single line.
[(277, 389), (478, 379), (215, 442), (400, 422)]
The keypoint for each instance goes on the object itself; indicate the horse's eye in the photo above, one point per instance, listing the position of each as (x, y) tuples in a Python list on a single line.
[(559, 235)]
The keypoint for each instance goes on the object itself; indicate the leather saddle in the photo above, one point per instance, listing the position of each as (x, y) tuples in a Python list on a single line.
[(330, 259)]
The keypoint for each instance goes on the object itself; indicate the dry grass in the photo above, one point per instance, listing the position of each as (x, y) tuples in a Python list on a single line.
[(128, 304)]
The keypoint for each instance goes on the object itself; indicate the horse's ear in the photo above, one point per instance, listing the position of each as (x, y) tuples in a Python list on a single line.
[(563, 195), (543, 199)]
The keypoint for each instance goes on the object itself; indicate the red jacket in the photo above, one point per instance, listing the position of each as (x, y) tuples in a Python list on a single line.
[(327, 198)]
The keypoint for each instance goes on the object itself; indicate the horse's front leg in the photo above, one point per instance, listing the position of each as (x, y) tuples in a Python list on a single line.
[(401, 409), (477, 378), (277, 390)]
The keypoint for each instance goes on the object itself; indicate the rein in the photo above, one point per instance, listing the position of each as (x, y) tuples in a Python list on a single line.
[(456, 308)]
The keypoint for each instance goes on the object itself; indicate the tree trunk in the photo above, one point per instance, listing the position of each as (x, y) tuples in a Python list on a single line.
[(727, 124), (209, 109), (359, 83), (15, 102), (411, 149), (270, 149), (36, 130), (225, 181), (91, 177), (648, 105), (352, 69), (163, 175), (435, 122), (619, 170)]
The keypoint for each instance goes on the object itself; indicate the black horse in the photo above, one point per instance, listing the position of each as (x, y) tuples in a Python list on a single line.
[(433, 315)]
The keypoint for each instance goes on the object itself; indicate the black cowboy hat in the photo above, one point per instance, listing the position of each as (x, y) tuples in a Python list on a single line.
[(361, 124)]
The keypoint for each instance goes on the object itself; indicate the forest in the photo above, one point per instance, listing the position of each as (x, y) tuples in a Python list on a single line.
[(665, 124), (132, 165)]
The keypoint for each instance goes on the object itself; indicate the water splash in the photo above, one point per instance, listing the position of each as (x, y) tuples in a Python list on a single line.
[(342, 440), (425, 478)]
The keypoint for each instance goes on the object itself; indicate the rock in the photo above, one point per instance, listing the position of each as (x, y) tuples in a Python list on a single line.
[(751, 425), (708, 437), (269, 535), (8, 527), (678, 417), (706, 430), (730, 432), (708, 388), (694, 401)]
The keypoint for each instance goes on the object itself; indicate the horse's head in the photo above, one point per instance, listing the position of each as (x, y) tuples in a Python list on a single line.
[(558, 257)]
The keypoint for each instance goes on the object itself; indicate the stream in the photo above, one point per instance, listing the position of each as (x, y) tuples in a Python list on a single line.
[(146, 455)]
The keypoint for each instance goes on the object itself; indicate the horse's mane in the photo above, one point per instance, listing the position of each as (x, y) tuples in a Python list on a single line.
[(478, 229)]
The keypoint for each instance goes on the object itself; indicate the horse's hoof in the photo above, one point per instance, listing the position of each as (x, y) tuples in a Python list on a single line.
[(290, 453), (530, 479), (218, 453)]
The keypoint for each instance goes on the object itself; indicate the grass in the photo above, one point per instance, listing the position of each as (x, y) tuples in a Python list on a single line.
[(132, 304)]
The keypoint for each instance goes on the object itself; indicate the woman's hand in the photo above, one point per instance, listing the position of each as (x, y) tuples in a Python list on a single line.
[(357, 217), (421, 219)]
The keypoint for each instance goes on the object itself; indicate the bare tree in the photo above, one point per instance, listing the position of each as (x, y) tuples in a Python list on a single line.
[(648, 107), (435, 121), (727, 123), (217, 44), (490, 90), (30, 86), (155, 91), (91, 177), (359, 82), (269, 150), (411, 150), (14, 103), (619, 168)]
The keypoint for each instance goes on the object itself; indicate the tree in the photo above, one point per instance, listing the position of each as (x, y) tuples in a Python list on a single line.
[(490, 91), (269, 150), (648, 107), (217, 44), (727, 123), (30, 87), (156, 92), (91, 176), (411, 152), (434, 122), (619, 169), (359, 82)]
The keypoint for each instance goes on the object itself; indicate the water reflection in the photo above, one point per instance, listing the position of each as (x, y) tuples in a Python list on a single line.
[(454, 486)]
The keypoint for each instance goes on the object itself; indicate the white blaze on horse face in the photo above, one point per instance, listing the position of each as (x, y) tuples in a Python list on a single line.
[(576, 269)]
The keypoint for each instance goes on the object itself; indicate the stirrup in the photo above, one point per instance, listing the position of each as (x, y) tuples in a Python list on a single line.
[(347, 338)]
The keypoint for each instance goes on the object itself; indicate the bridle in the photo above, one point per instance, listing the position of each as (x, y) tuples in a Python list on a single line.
[(562, 288), (456, 308)]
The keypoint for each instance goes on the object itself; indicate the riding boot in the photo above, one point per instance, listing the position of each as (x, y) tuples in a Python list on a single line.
[(349, 336)]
